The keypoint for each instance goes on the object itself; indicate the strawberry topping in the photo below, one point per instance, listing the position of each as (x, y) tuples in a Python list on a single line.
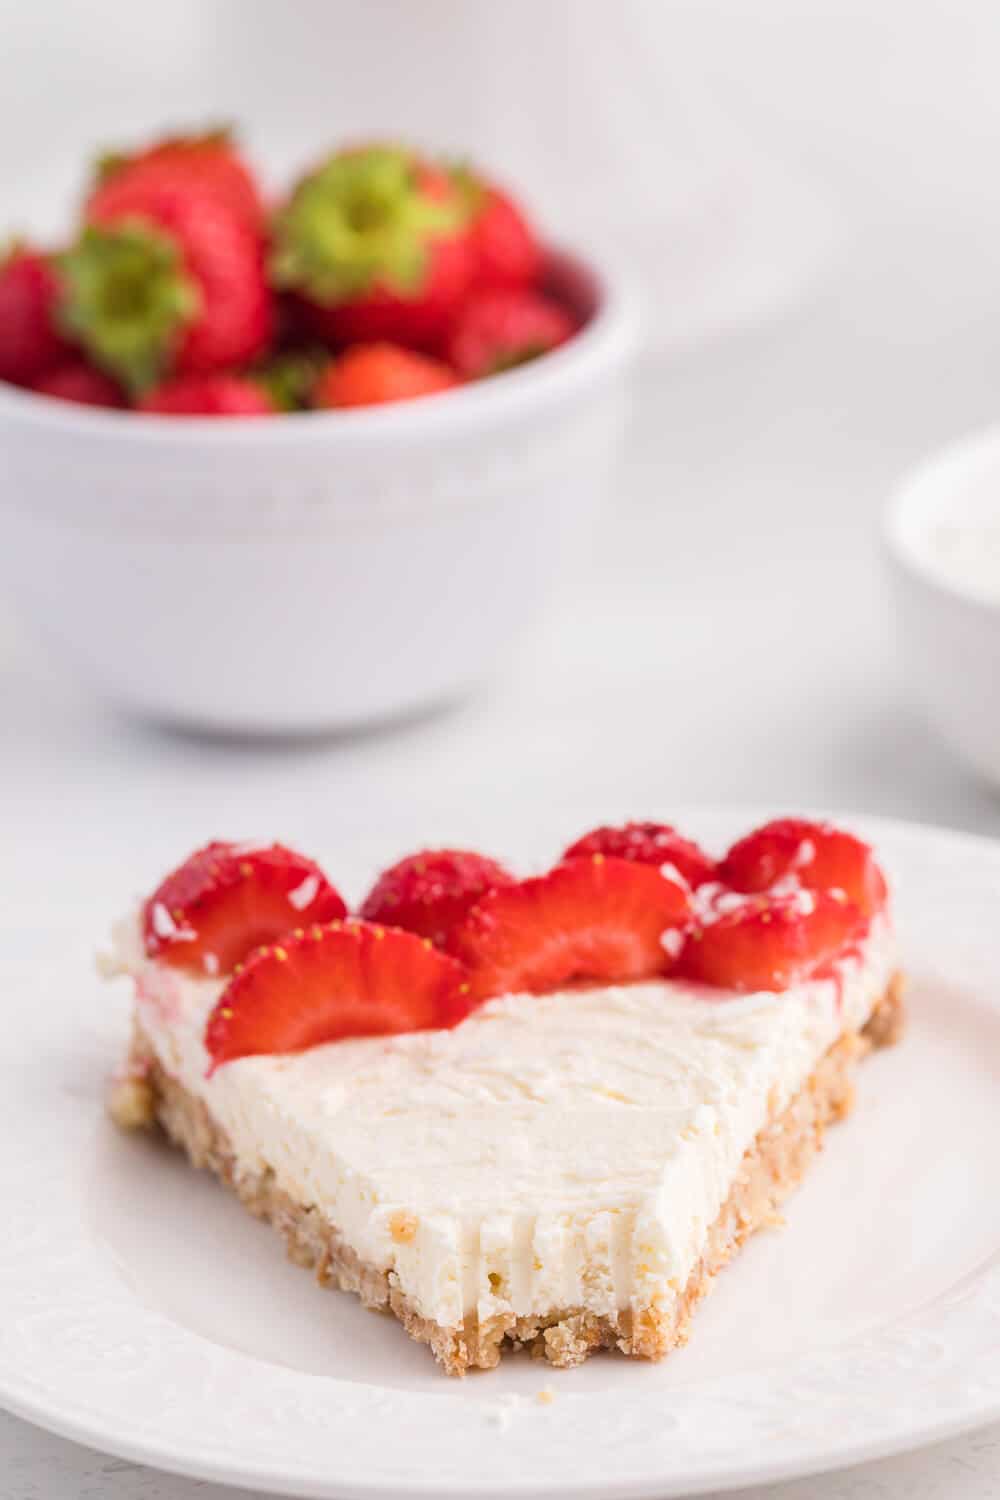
[(227, 899), (596, 918), (431, 892), (770, 942), (822, 858), (443, 930), (648, 844), (326, 983)]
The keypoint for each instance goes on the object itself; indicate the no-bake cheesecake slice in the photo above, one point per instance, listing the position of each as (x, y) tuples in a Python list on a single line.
[(541, 1112)]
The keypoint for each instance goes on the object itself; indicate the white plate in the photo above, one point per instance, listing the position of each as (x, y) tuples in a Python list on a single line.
[(142, 1311)]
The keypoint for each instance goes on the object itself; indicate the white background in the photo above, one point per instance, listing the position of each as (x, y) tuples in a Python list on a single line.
[(730, 639)]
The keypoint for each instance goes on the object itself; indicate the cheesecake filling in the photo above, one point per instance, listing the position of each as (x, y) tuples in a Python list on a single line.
[(561, 1151)]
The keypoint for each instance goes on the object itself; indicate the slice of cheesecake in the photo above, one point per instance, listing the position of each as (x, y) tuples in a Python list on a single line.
[(566, 1170)]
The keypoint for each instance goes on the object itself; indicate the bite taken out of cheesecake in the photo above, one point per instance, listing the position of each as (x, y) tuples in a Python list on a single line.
[(535, 1112)]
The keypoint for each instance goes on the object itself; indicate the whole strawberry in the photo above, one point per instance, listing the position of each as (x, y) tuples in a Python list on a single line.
[(369, 374), (210, 161), (164, 280), (496, 330), (219, 395), (30, 341), (506, 252), (79, 382), (373, 244)]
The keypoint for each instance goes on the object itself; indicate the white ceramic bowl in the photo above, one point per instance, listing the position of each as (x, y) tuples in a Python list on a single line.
[(949, 625), (315, 571)]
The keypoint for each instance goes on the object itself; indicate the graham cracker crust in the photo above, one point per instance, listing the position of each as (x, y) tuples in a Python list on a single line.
[(771, 1169)]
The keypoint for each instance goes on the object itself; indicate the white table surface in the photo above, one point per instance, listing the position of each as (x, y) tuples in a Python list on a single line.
[(730, 639)]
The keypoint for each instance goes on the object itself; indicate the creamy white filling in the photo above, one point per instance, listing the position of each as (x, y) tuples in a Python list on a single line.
[(555, 1151)]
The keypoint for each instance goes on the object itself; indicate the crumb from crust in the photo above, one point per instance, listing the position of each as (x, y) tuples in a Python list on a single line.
[(772, 1168), (108, 966), (545, 1396), (132, 1103)]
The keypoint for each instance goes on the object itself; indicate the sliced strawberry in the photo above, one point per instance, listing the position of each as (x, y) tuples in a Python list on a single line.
[(771, 942), (823, 858), (593, 918), (431, 892), (228, 899), (325, 983), (647, 844)]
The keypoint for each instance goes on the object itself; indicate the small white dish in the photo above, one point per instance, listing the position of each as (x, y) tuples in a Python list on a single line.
[(321, 570), (144, 1312), (942, 535)]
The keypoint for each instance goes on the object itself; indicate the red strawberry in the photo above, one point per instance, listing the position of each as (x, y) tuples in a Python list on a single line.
[(77, 381), (373, 243), (326, 983), (209, 161), (165, 281), (822, 857), (771, 942), (369, 374), (229, 898), (219, 395), (431, 892), (595, 918), (499, 329), (30, 342), (506, 252), (648, 844)]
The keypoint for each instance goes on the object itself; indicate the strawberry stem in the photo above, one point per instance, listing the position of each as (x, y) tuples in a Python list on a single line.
[(469, 189), (290, 378), (126, 299), (362, 218)]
